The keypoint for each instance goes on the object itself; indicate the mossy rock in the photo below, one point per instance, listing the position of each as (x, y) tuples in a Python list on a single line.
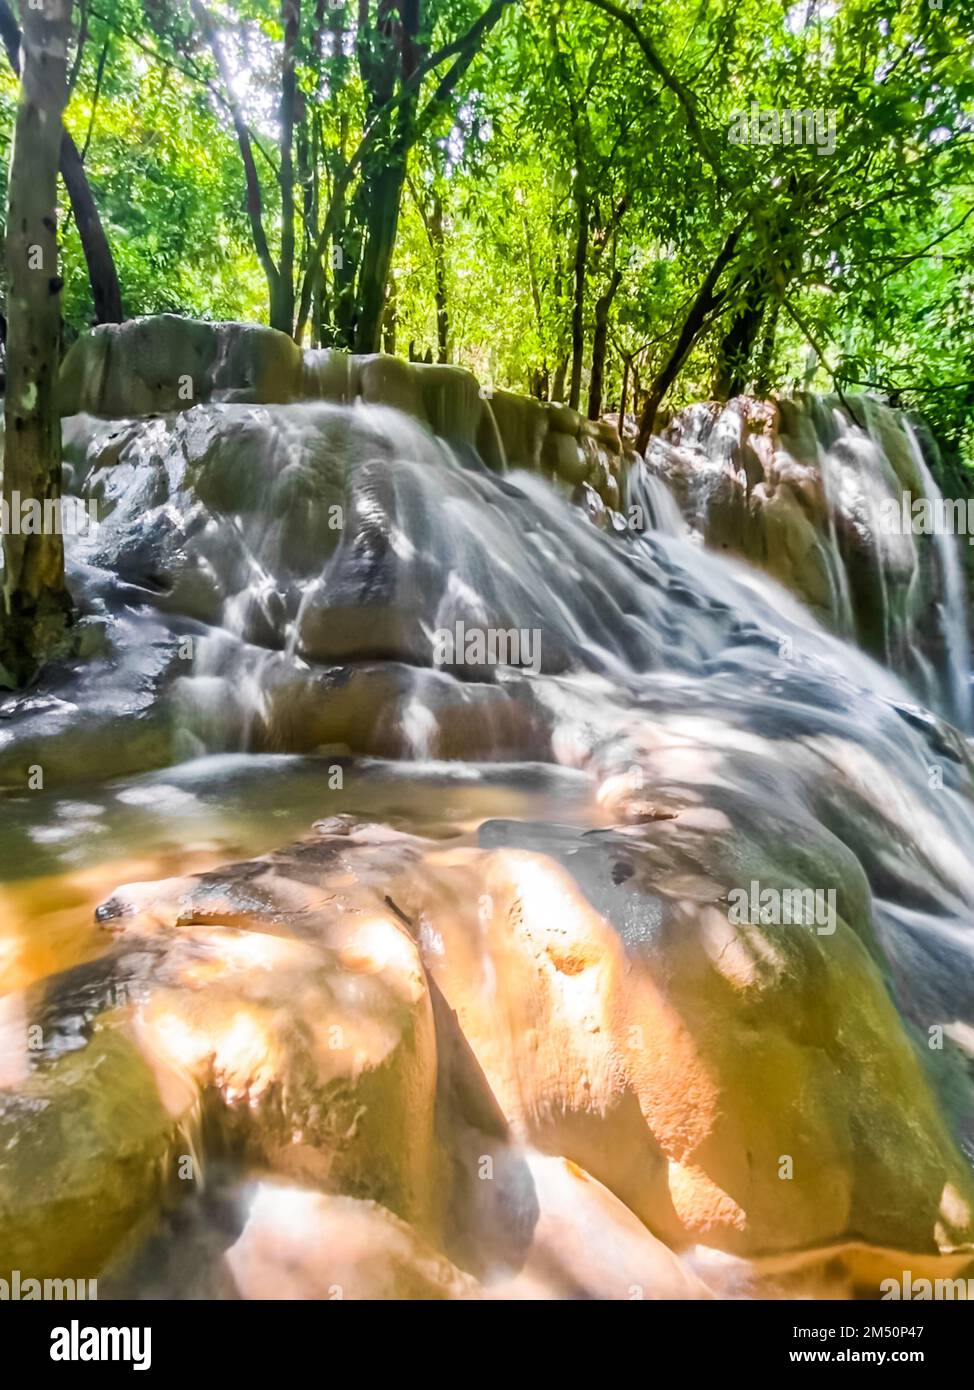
[(89, 1150), (149, 366), (565, 456)]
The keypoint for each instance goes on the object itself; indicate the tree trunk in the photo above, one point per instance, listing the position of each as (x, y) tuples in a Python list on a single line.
[(762, 370), (390, 318), (541, 374), (36, 605), (382, 224), (255, 211), (282, 294), (345, 236), (578, 298), (737, 344), (105, 292), (602, 309), (703, 305), (762, 286), (558, 384), (388, 55), (624, 393), (433, 223), (439, 270)]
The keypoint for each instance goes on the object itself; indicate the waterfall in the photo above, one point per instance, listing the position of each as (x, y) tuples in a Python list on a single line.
[(804, 490), (562, 779), (951, 615)]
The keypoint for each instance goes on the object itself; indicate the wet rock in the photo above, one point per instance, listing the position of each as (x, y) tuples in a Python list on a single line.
[(760, 1088), (564, 455), (378, 1016), (607, 435), (91, 1144), (312, 541), (583, 1244), (307, 1245), (151, 366), (564, 420), (588, 1244), (681, 1059), (386, 710), (121, 686), (300, 1024), (523, 426), (305, 1017)]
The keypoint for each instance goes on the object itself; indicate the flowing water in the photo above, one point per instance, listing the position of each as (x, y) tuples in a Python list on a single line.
[(265, 595), (815, 498)]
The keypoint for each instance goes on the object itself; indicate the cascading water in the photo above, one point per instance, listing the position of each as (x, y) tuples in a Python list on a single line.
[(951, 613), (806, 491), (516, 909)]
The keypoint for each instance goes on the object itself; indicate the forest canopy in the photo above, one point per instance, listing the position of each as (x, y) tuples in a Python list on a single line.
[(606, 202)]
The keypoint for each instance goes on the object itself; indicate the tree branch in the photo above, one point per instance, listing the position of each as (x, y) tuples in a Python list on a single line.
[(254, 199), (467, 46), (820, 353), (683, 95)]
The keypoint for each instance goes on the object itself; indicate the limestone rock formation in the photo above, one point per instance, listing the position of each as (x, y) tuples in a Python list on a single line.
[(375, 1016), (165, 364)]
